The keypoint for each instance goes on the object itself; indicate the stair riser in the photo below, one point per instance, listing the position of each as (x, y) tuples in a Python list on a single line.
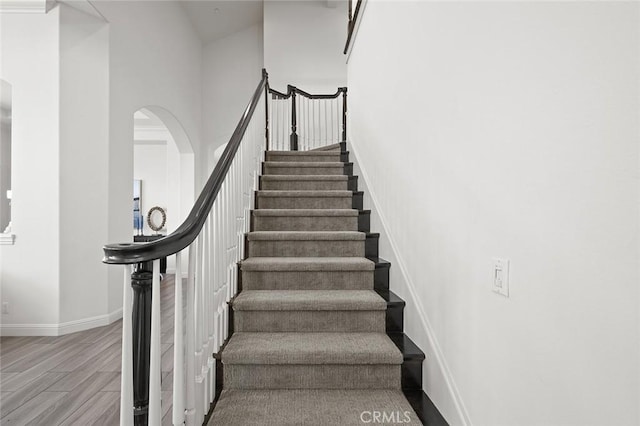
[(372, 244), (310, 321), (307, 223), (288, 248), (304, 185), (304, 202), (315, 280), (395, 318), (412, 374), (357, 201), (305, 158), (381, 277), (328, 376), (364, 221)]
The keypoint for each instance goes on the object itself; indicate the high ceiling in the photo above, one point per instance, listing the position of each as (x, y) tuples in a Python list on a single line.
[(214, 19)]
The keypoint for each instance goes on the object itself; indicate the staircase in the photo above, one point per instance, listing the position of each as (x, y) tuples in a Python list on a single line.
[(317, 336), (285, 316)]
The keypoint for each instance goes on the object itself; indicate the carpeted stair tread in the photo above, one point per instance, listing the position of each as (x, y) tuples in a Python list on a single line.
[(306, 212), (304, 155), (304, 164), (301, 153), (306, 236), (309, 300), (307, 264), (303, 193), (341, 178), (284, 407), (311, 349)]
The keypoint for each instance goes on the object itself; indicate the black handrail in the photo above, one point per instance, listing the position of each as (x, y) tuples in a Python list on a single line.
[(129, 253), (294, 89), (352, 23)]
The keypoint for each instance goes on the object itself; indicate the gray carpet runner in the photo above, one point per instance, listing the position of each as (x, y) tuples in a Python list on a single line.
[(309, 344)]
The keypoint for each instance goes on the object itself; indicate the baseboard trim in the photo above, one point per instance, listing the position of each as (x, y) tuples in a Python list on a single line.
[(61, 328), (431, 337)]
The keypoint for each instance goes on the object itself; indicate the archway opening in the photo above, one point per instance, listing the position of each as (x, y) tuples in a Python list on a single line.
[(164, 175)]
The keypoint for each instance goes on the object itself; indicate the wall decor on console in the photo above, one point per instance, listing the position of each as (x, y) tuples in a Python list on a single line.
[(152, 221)]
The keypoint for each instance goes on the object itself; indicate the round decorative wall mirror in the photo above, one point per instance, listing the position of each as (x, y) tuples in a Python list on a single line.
[(156, 215)]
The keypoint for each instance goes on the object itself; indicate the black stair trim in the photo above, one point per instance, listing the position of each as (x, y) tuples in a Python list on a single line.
[(357, 200), (364, 220), (371, 244), (394, 317), (410, 351), (352, 183), (381, 273), (413, 358), (348, 168), (427, 412)]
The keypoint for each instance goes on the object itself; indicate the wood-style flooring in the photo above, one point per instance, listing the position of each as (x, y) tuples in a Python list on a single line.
[(75, 379)]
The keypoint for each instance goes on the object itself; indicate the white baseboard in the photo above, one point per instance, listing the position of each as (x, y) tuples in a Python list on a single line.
[(462, 412), (61, 328)]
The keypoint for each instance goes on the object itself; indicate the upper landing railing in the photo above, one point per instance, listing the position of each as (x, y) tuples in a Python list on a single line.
[(302, 121), (207, 247)]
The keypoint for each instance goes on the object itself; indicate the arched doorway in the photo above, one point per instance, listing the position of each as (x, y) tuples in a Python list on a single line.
[(164, 171)]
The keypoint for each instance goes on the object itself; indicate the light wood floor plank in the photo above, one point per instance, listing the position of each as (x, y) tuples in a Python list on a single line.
[(9, 343), (45, 365), (17, 353), (33, 408), (28, 392), (85, 358), (113, 385), (93, 410), (111, 417), (72, 401)]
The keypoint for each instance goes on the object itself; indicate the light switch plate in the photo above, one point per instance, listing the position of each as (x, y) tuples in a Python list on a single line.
[(501, 276)]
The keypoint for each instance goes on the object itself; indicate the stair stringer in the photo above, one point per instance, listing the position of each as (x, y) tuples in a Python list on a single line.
[(435, 374)]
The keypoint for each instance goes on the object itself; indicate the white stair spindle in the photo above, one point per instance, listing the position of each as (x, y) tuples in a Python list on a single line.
[(178, 349), (190, 409), (126, 379), (199, 415), (155, 402)]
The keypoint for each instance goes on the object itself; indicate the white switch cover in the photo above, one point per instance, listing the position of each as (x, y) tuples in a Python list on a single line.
[(501, 276)]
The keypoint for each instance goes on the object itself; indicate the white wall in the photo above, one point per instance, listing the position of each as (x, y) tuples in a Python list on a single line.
[(5, 153), (232, 68), (155, 60), (508, 130), (76, 84), (303, 44), (150, 166), (83, 180), (30, 269)]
